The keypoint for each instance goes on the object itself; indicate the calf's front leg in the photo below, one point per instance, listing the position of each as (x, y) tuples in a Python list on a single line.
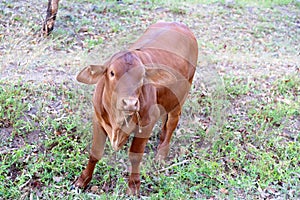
[(135, 156), (99, 138)]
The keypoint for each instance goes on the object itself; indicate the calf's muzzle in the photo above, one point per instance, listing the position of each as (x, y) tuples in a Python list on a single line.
[(130, 104)]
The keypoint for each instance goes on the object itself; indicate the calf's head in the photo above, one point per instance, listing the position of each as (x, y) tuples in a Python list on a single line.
[(123, 77), (123, 82)]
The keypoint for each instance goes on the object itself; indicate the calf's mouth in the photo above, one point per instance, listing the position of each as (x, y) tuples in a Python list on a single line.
[(125, 126)]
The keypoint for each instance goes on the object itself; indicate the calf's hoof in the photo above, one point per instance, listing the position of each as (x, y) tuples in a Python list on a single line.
[(82, 182), (133, 192), (162, 153), (134, 184)]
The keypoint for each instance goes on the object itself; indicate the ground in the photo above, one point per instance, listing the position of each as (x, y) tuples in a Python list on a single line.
[(238, 137)]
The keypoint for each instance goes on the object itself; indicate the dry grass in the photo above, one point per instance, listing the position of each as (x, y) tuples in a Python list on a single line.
[(239, 132)]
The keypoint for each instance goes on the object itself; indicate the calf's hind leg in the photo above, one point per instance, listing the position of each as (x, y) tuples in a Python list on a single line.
[(170, 122), (99, 138)]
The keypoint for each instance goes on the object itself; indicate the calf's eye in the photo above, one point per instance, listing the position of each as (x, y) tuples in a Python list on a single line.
[(112, 74)]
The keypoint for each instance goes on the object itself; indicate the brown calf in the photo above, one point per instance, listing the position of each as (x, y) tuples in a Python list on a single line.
[(136, 87)]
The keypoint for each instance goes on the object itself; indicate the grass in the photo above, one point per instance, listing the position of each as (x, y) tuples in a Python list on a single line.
[(238, 136)]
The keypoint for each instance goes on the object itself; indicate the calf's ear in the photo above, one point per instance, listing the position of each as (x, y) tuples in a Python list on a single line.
[(91, 74), (159, 76)]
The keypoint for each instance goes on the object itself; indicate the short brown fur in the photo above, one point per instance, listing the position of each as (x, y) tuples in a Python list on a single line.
[(135, 88)]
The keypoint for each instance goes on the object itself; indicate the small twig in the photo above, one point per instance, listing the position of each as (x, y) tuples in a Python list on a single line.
[(24, 195), (174, 165), (7, 151), (126, 122), (58, 187), (93, 195), (297, 174), (21, 186)]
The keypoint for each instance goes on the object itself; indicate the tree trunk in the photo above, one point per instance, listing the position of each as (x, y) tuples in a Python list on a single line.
[(52, 9)]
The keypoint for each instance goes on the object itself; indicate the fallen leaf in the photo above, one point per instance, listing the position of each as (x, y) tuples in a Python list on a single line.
[(57, 179), (36, 184), (57, 133), (94, 188), (224, 191), (83, 29)]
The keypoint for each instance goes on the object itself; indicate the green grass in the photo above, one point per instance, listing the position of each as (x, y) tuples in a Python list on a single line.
[(265, 3), (239, 132), (44, 117), (238, 160)]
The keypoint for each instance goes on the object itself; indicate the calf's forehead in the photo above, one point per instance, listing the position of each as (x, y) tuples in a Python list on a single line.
[(131, 78), (128, 65)]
